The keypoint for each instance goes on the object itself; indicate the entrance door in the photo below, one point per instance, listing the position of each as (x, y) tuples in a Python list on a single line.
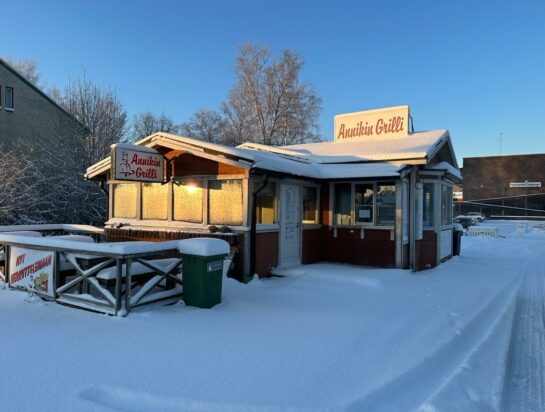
[(290, 225)]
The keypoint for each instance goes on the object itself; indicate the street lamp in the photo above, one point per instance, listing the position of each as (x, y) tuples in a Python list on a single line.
[(482, 186)]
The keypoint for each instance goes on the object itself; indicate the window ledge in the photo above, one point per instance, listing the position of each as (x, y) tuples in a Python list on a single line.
[(269, 227), (9, 110), (311, 226)]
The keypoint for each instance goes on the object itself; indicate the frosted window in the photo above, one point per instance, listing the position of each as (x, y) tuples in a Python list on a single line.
[(225, 202), (310, 204), (386, 204), (188, 202), (154, 201), (266, 203), (124, 198)]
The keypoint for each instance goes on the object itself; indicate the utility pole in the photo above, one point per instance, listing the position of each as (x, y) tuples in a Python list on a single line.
[(501, 137)]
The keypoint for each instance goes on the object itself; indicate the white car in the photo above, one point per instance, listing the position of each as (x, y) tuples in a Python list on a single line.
[(479, 216)]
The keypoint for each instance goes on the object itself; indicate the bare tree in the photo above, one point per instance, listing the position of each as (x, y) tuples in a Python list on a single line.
[(28, 68), (205, 125), (268, 103), (100, 111), (147, 123)]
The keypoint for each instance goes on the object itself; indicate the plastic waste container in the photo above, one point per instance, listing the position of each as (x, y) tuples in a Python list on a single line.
[(457, 239), (202, 270)]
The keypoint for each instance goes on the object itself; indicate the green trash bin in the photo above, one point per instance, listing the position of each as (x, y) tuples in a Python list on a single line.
[(202, 280)]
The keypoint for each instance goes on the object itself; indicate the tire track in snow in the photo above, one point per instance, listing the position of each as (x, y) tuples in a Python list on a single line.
[(525, 377)]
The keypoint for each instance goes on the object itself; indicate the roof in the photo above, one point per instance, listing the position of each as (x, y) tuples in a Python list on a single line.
[(326, 160), (38, 90)]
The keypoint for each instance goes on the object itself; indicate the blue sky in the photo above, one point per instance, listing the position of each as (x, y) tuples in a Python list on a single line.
[(474, 67)]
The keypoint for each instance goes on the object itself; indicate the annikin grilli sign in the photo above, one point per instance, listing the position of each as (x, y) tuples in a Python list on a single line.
[(379, 123), (137, 163)]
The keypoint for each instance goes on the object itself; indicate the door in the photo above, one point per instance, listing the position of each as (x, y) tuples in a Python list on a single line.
[(290, 225)]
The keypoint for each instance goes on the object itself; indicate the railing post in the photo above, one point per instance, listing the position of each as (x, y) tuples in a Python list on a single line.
[(118, 284), (128, 283)]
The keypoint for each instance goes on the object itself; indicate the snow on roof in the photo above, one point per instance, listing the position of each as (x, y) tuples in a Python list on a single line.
[(445, 167), (325, 160), (420, 145)]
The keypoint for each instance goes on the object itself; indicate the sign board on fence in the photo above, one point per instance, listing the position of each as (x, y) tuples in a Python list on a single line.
[(137, 163), (32, 270), (379, 124), (525, 184)]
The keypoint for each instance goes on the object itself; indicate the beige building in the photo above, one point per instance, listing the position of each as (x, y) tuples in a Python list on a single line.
[(27, 113)]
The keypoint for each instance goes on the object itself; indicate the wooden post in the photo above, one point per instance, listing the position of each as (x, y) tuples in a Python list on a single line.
[(118, 282), (128, 284)]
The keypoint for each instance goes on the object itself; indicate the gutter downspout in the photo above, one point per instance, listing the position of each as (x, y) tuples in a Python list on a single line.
[(253, 228)]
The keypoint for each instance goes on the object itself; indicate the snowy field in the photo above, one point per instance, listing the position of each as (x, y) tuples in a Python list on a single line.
[(466, 336)]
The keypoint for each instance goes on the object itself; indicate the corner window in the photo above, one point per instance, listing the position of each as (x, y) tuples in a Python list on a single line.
[(363, 198), (386, 204), (187, 202), (124, 199), (310, 205), (342, 204), (8, 102), (265, 203), (446, 205), (154, 201), (225, 202), (428, 204)]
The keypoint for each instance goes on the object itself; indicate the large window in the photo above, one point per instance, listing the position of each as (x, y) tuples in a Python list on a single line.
[(310, 205), (446, 205), (124, 199), (428, 204), (364, 203), (225, 202), (386, 204), (154, 201), (9, 99), (266, 203), (187, 202)]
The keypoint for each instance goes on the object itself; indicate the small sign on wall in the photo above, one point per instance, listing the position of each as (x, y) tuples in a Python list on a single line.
[(32, 270), (524, 184), (137, 163)]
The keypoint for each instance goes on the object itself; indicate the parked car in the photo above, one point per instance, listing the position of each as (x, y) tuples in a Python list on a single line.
[(465, 221), (480, 217)]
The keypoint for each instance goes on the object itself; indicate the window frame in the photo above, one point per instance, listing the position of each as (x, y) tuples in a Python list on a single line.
[(276, 183), (6, 107), (353, 223), (170, 222), (317, 211)]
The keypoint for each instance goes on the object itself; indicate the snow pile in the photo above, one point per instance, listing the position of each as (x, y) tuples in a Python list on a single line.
[(326, 337), (203, 246)]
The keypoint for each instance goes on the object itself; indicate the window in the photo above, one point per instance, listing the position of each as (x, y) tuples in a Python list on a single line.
[(428, 204), (266, 203), (386, 204), (342, 204), (8, 98), (187, 202), (310, 205), (154, 201), (364, 203), (225, 202), (124, 198), (446, 205), (363, 198)]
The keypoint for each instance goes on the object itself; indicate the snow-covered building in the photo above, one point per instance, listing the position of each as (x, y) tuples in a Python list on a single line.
[(378, 195)]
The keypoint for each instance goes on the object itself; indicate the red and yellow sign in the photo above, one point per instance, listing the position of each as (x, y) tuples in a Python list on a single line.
[(32, 270), (379, 124)]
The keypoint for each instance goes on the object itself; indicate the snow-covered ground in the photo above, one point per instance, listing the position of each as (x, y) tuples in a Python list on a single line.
[(468, 335)]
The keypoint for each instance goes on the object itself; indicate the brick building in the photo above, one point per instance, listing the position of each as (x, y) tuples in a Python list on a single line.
[(27, 114), (505, 185)]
